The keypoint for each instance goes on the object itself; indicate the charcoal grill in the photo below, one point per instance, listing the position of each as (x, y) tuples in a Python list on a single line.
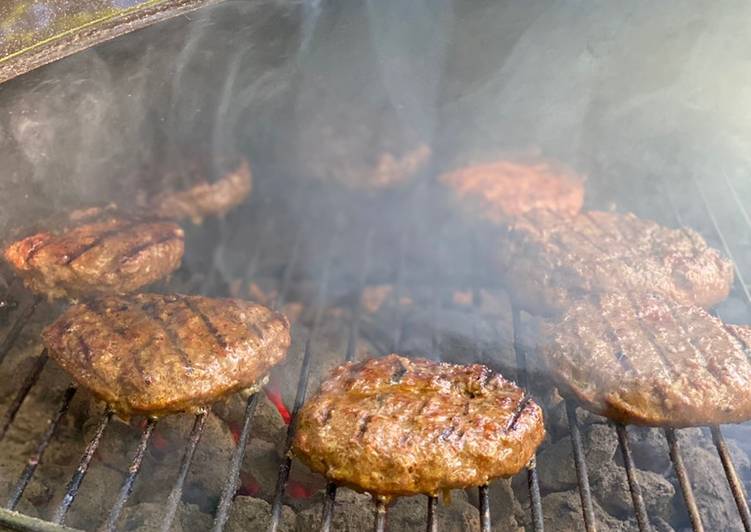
[(359, 264)]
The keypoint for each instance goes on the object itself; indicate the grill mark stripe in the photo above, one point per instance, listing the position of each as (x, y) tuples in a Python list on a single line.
[(98, 240), (518, 412), (151, 312), (699, 354), (363, 426), (138, 248), (615, 340), (737, 341), (213, 331), (667, 364)]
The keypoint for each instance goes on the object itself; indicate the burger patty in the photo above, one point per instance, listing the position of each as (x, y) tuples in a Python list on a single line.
[(398, 426), (502, 191), (642, 358), (548, 261), (156, 354), (205, 198), (102, 253)]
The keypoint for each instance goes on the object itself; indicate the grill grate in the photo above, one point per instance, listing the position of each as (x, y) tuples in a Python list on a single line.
[(25, 312)]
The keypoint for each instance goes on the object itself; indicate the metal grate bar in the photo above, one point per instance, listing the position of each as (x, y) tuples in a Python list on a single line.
[(177, 490), (133, 470), (302, 388), (328, 507), (581, 468), (286, 465), (734, 482), (36, 458), (484, 508), (682, 474), (23, 316), (432, 520), (238, 455), (353, 335), (533, 483), (23, 391), (633, 485), (380, 516), (74, 484)]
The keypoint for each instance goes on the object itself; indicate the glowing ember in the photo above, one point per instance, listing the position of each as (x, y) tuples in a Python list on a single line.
[(275, 396)]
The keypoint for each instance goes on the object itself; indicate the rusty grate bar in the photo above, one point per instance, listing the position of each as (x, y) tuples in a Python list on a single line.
[(432, 519), (74, 484), (734, 482), (133, 470), (380, 516), (580, 463), (683, 481), (31, 378), (533, 482), (36, 458), (328, 507), (24, 314), (177, 490), (484, 508), (233, 479), (302, 385), (633, 485), (730, 472)]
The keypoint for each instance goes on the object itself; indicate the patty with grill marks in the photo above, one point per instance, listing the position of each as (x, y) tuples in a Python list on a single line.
[(501, 191), (549, 261), (100, 252), (156, 354), (642, 358), (396, 426)]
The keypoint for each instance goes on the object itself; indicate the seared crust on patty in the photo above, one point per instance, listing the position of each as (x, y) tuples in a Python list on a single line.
[(398, 426), (642, 358), (156, 354), (100, 254), (548, 261), (501, 191)]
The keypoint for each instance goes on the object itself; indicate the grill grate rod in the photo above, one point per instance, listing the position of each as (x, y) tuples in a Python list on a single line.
[(328, 507), (735, 484), (177, 490), (432, 525), (633, 485), (23, 391), (484, 508), (353, 335), (380, 516), (74, 484), (581, 468), (682, 474), (730, 472), (36, 458), (233, 479), (238, 455), (133, 470), (533, 482), (302, 386), (23, 316)]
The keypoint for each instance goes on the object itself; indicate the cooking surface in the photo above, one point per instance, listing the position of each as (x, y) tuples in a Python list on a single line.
[(649, 104)]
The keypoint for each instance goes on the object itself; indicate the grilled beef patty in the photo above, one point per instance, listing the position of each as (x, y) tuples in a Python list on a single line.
[(397, 426), (205, 198), (548, 261), (642, 358), (101, 253), (502, 191), (156, 354)]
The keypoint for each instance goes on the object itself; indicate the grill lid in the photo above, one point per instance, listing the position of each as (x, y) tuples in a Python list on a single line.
[(36, 32)]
